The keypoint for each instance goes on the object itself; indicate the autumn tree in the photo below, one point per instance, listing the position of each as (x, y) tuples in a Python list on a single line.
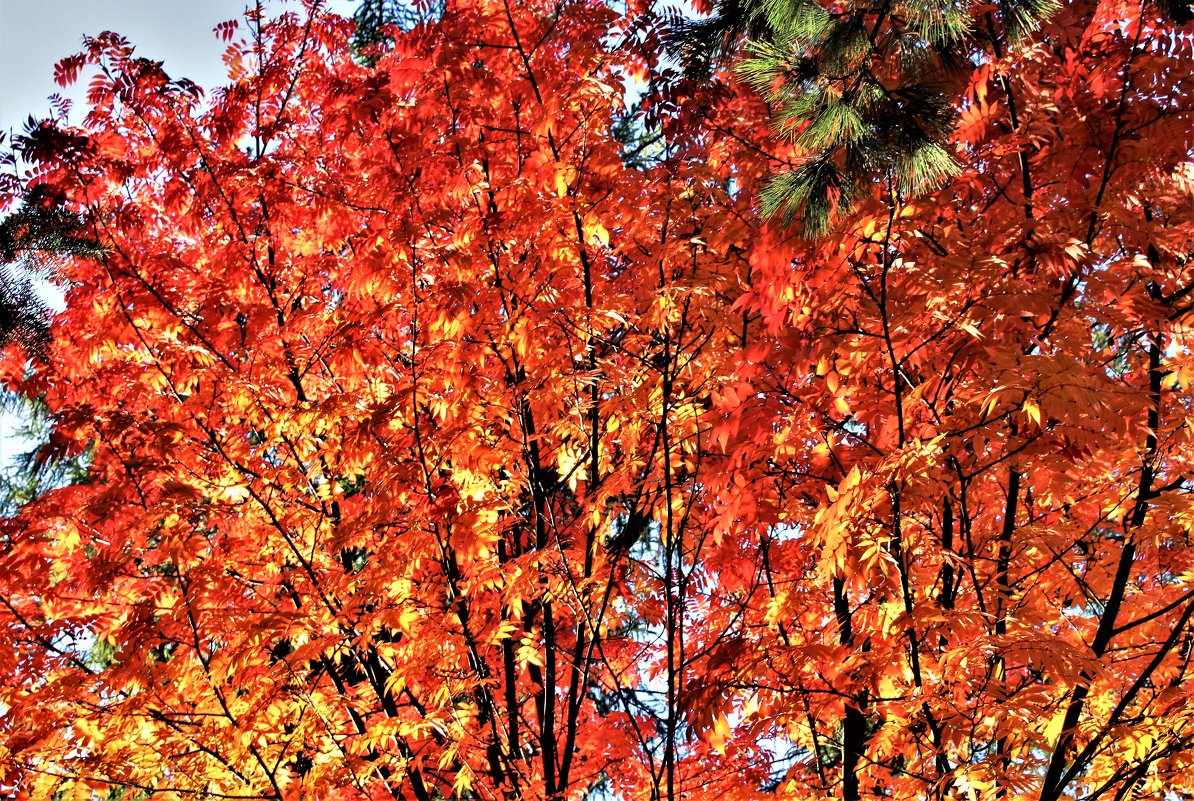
[(977, 404), (386, 425), (438, 449)]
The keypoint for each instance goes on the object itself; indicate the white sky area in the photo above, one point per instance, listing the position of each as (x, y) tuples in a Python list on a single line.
[(36, 34)]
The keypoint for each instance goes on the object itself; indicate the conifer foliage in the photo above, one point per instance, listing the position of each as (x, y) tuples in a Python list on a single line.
[(435, 451), (867, 92)]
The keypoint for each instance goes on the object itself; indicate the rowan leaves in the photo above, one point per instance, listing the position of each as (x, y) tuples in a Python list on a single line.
[(443, 447)]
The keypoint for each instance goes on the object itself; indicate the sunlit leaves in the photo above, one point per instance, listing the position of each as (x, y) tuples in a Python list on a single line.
[(445, 446)]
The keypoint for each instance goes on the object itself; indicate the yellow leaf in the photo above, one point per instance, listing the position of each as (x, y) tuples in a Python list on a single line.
[(1033, 411), (563, 179), (718, 735), (463, 782), (595, 231)]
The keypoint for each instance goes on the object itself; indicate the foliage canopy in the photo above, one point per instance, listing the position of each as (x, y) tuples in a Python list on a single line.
[(438, 451)]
